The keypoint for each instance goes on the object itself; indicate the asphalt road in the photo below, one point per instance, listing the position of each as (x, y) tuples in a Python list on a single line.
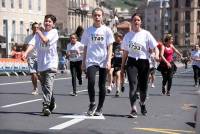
[(20, 111)]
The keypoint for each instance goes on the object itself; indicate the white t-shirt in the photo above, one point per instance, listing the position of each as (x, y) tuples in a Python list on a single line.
[(47, 53), (195, 54), (138, 43), (97, 40), (74, 56), (30, 41)]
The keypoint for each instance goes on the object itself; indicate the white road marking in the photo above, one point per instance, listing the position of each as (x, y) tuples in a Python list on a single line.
[(76, 119), (14, 83), (83, 117), (66, 124), (20, 103)]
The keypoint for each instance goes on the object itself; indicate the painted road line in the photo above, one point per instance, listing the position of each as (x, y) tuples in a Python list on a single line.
[(15, 83), (20, 103), (165, 131), (66, 124), (83, 117), (75, 119)]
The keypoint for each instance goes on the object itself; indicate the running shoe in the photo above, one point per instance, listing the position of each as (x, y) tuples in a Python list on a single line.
[(168, 93), (91, 110), (143, 109), (133, 114), (73, 94), (45, 110), (163, 91), (98, 112), (80, 82), (52, 106), (35, 92), (122, 89), (109, 89), (117, 94), (152, 85)]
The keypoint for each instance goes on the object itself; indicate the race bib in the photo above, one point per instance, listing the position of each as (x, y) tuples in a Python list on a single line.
[(135, 47), (73, 55), (97, 38), (118, 53)]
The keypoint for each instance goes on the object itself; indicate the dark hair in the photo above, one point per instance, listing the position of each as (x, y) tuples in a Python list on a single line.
[(98, 9), (74, 35), (118, 34), (52, 17), (136, 14), (35, 23), (79, 31)]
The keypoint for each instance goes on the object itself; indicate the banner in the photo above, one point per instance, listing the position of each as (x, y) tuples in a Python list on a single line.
[(13, 65)]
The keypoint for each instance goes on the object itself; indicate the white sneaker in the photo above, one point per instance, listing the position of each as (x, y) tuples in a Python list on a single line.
[(152, 85), (35, 92), (109, 89)]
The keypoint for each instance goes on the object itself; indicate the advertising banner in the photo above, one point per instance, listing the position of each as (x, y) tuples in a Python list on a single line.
[(13, 65)]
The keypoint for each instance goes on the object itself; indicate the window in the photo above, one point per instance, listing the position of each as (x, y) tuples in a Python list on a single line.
[(21, 27), (187, 15), (30, 4), (39, 5), (187, 3), (156, 28), (187, 27), (12, 3), (13, 30), (199, 3), (3, 4), (198, 39), (176, 4), (4, 27), (176, 16), (176, 28), (175, 40), (20, 4), (198, 28), (198, 15), (155, 11)]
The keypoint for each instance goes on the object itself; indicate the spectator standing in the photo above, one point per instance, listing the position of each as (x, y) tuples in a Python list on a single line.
[(32, 58)]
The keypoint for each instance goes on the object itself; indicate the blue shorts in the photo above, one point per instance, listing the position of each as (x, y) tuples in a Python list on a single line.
[(32, 64)]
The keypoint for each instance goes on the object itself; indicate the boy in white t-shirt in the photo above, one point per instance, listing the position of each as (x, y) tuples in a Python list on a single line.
[(46, 46), (97, 41)]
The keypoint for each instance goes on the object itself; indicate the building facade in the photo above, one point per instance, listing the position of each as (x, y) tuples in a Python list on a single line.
[(157, 18), (16, 17), (186, 22), (72, 13)]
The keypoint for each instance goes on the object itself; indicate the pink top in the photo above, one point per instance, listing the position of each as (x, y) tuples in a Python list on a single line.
[(168, 54)]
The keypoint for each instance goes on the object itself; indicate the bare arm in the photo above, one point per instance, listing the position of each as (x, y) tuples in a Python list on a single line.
[(41, 35), (110, 47), (29, 48), (84, 58), (176, 51)]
